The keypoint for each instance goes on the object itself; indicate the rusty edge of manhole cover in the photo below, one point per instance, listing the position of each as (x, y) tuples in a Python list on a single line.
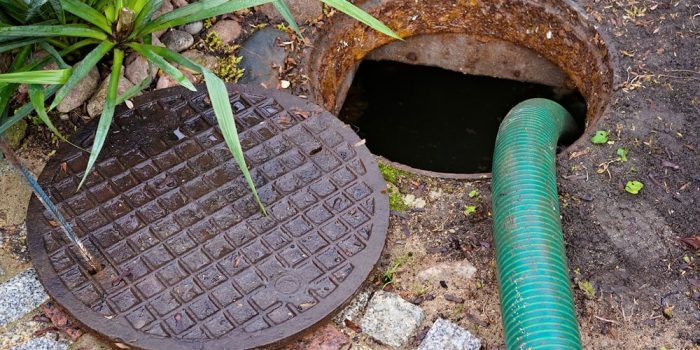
[(190, 262)]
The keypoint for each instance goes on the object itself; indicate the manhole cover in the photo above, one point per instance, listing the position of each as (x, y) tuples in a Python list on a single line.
[(190, 262)]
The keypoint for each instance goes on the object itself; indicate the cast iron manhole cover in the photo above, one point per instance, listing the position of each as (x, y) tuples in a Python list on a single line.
[(190, 262)]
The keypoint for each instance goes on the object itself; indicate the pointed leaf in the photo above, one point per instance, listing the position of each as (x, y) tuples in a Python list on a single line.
[(57, 76), (87, 13), (175, 57), (54, 54), (355, 12), (198, 11), (43, 31), (168, 68), (107, 113), (81, 70), (36, 97), (58, 9), (286, 13), (11, 45), (25, 110), (144, 16), (224, 116)]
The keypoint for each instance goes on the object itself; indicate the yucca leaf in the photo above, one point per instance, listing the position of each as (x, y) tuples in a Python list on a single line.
[(57, 76), (11, 45), (137, 5), (58, 10), (144, 16), (44, 31), (107, 113), (132, 91), (198, 11), (286, 13), (355, 12), (110, 13), (33, 9), (25, 110), (168, 68), (54, 54), (218, 94), (81, 69), (87, 13), (36, 97), (7, 90)]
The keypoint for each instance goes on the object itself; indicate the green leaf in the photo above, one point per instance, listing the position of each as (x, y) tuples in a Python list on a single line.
[(132, 91), (600, 137), (107, 113), (87, 13), (197, 11), (355, 12), (286, 13), (58, 76), (144, 15), (469, 209), (36, 96), (587, 288), (25, 110), (45, 31), (54, 54), (473, 193), (58, 10), (634, 187), (11, 45), (224, 116), (622, 154), (81, 70), (175, 57), (168, 68)]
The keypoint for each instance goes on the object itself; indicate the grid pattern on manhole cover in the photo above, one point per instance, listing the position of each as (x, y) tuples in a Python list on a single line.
[(189, 259)]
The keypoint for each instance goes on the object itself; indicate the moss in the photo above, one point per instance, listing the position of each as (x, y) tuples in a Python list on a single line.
[(213, 41), (228, 68), (391, 174), (396, 202)]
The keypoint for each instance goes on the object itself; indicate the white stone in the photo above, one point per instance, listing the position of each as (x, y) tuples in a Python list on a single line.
[(414, 202), (445, 335), (448, 271), (391, 320), (20, 295)]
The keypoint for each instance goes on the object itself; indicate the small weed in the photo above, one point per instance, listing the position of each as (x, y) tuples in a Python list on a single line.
[(622, 154), (474, 193), (634, 187), (208, 22), (396, 202), (391, 174), (587, 288), (389, 275), (459, 309), (600, 137), (283, 28), (469, 209), (420, 289)]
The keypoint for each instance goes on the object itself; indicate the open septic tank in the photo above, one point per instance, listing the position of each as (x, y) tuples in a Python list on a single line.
[(189, 261)]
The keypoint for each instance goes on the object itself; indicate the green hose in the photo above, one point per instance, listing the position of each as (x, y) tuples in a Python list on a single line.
[(536, 301)]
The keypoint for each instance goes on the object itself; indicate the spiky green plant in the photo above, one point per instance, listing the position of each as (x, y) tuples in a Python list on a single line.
[(105, 29)]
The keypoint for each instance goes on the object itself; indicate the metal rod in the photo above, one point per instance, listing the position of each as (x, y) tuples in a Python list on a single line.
[(93, 264)]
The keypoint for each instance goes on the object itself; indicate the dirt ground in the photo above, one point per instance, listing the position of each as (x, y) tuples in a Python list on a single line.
[(636, 285)]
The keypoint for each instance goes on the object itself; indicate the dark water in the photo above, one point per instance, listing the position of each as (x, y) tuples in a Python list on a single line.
[(435, 119)]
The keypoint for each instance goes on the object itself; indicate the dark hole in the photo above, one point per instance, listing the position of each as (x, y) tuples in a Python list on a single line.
[(435, 119)]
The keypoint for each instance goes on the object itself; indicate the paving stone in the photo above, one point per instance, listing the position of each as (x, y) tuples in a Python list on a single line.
[(47, 342), (353, 312), (260, 54), (391, 320), (20, 295), (451, 271), (445, 335)]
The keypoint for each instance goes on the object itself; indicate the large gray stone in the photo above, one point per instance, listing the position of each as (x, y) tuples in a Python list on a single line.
[(391, 320), (177, 40), (260, 53), (97, 102), (302, 10), (20, 295), (80, 92), (445, 335), (47, 342), (227, 30), (137, 69)]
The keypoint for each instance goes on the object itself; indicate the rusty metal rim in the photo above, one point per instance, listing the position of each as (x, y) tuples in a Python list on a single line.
[(120, 333)]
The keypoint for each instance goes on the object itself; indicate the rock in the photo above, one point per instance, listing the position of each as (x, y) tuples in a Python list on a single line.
[(354, 310), (453, 271), (391, 320), (166, 7), (260, 53), (414, 202), (180, 3), (165, 81), (81, 92), (15, 134), (303, 10), (177, 40), (97, 102), (20, 295), (208, 61), (137, 69), (193, 28), (227, 30), (445, 335), (47, 342)]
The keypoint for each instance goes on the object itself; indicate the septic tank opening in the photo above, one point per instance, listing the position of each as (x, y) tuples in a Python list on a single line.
[(439, 120)]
